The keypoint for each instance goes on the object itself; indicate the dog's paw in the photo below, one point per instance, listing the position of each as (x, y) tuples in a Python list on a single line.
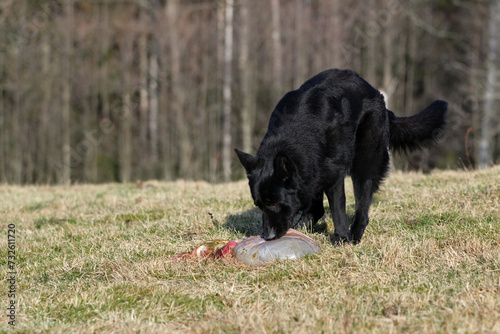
[(338, 240)]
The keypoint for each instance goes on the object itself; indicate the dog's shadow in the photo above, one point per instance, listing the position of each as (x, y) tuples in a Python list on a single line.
[(249, 223)]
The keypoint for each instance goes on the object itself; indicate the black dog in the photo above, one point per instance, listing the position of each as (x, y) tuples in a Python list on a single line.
[(334, 125)]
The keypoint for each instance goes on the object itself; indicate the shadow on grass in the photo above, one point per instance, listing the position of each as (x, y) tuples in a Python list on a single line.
[(249, 223)]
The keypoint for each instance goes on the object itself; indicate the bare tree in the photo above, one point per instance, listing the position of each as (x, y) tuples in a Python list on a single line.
[(153, 105), (277, 49), (226, 91), (104, 41), (371, 32), (66, 95), (301, 42), (246, 68), (487, 124), (411, 67), (389, 81), (91, 106), (64, 66), (143, 90), (177, 99), (18, 46), (3, 115), (125, 142), (336, 33)]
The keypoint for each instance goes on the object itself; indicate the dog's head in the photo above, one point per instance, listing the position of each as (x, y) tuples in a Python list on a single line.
[(273, 187)]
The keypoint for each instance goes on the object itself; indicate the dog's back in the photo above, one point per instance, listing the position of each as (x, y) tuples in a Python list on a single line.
[(320, 119)]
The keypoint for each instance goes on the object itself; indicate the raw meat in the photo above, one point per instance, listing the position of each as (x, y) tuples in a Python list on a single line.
[(213, 248), (256, 251)]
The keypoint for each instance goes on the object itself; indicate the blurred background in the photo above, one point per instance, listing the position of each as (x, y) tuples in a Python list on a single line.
[(108, 90)]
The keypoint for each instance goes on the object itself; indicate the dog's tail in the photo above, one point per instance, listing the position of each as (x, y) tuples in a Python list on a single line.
[(420, 130)]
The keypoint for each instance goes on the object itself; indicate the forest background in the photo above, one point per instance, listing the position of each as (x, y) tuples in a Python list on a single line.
[(108, 90)]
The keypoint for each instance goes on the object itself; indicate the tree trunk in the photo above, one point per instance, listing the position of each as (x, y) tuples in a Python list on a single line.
[(160, 41), (103, 50), (3, 114), (143, 98), (277, 50), (246, 69), (66, 96), (411, 68), (15, 139), (126, 138), (41, 151), (178, 95), (153, 107), (370, 52), (487, 123), (92, 135), (226, 91), (103, 113), (153, 102), (125, 119), (336, 31), (389, 82), (475, 93), (301, 44)]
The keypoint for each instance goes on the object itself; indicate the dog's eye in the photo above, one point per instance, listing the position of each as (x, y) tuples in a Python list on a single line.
[(274, 205)]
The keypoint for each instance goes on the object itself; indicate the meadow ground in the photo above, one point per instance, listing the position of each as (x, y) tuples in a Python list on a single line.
[(97, 258)]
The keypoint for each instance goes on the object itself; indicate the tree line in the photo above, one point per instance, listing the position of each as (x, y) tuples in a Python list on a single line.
[(108, 90)]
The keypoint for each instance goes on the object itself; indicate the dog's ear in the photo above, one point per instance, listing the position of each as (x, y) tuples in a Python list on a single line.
[(248, 161), (283, 166)]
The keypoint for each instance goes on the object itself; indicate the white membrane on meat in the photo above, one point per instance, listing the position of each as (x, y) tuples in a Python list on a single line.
[(256, 251)]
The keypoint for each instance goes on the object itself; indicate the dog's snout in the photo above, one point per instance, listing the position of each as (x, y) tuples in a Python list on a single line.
[(270, 234)]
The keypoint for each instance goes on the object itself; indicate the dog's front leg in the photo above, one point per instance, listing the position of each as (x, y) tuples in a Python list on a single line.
[(336, 198)]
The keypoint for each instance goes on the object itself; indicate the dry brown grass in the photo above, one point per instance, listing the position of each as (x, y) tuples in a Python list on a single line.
[(96, 258)]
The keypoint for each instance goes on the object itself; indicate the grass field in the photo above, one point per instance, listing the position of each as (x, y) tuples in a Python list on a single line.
[(98, 258)]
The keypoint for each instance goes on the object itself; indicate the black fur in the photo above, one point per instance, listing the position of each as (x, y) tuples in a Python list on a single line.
[(334, 125)]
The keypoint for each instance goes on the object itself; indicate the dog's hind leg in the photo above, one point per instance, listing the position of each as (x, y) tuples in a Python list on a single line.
[(366, 178), (370, 165), (363, 192), (336, 198)]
